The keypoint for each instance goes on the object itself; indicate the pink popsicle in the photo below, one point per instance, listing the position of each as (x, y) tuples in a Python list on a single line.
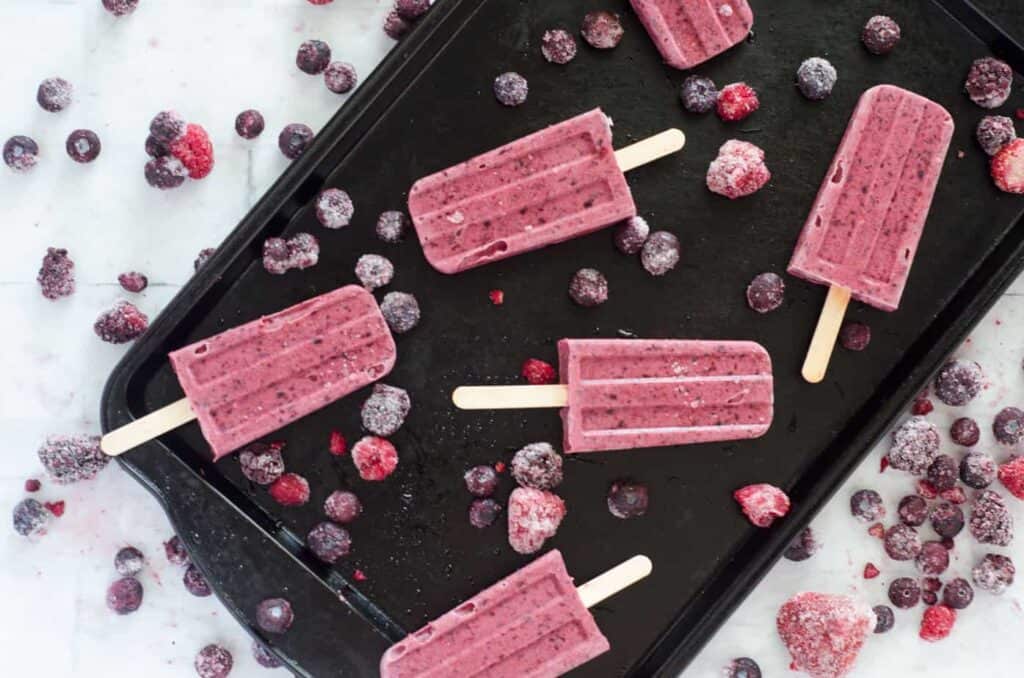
[(689, 32)]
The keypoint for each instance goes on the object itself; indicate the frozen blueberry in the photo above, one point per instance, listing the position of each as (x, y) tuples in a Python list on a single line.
[(933, 558), (175, 551), (83, 146), (249, 124), (213, 661), (30, 517), (988, 82), (374, 271), (120, 7), (627, 499), (167, 126), (129, 561), (481, 481), (855, 336), (342, 507), (133, 281), (313, 57), (385, 410), (942, 473), (401, 311), (156, 148), (121, 324), (660, 253), (994, 132), (54, 94), (902, 542), (56, 275), (880, 35), (965, 431), (884, 618), (742, 667), (765, 292), (165, 172), (261, 463), (588, 287), (483, 513), (994, 573), (392, 226), (334, 208), (21, 153), (329, 542), (947, 519), (395, 27), (511, 89), (274, 615), (70, 459), (867, 506), (411, 10), (203, 256), (301, 251), (537, 465), (340, 77), (602, 29), (978, 470), (195, 582), (915, 444), (558, 46), (631, 234), (264, 657), (957, 594), (913, 510), (991, 522), (904, 593), (124, 596), (1008, 426), (816, 77), (958, 382), (803, 546), (699, 94), (32, 485), (294, 139)]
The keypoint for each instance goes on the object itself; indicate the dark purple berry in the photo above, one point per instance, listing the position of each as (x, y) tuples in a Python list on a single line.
[(249, 124), (374, 271), (329, 542), (385, 410), (943, 472), (395, 27), (274, 615), (602, 29), (537, 465), (411, 10), (978, 470), (742, 667), (915, 445), (913, 510), (994, 132), (175, 550), (855, 336), (880, 35), (660, 253), (54, 94), (699, 94), (340, 77), (816, 77), (904, 593), (902, 542), (965, 431), (156, 148), (481, 481), (933, 558), (631, 234), (70, 459), (195, 582), (334, 208), (558, 46), (313, 57), (588, 287), (988, 82), (83, 146), (56, 276), (392, 226), (133, 281), (947, 520), (213, 661), (165, 172), (957, 594), (765, 292), (301, 251), (401, 311), (867, 506), (167, 126), (483, 513), (120, 7), (342, 507), (802, 547), (627, 500), (121, 324), (261, 463), (124, 596), (958, 382), (994, 573), (991, 522), (203, 256), (129, 561), (30, 518), (264, 657), (1008, 426), (294, 139), (21, 153), (884, 618), (511, 89)]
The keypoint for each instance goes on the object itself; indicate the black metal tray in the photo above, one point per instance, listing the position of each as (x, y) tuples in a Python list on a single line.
[(429, 105)]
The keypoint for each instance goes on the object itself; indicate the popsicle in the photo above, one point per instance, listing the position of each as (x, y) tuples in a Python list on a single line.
[(865, 225), (689, 32), (532, 624), (559, 183), (253, 379), (620, 394)]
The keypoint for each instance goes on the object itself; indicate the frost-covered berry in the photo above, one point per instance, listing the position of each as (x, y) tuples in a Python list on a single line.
[(274, 615), (54, 94), (124, 596), (30, 518), (537, 465), (392, 226), (70, 459), (588, 287), (121, 324), (401, 311), (374, 271), (313, 57), (83, 146), (213, 661), (334, 208), (385, 410), (249, 124), (816, 77), (129, 561), (294, 139), (631, 234), (340, 77), (511, 89), (558, 46), (21, 153), (699, 94)]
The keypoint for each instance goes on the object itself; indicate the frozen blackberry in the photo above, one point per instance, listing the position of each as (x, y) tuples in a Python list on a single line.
[(913, 510), (329, 542), (742, 667), (803, 546), (124, 596), (340, 77), (121, 324), (203, 256), (588, 287), (965, 431), (120, 7), (816, 77), (294, 139), (129, 561), (867, 506), (374, 271), (660, 253), (627, 499), (511, 89), (481, 481), (249, 124), (994, 573), (274, 615), (301, 251), (213, 661), (988, 82), (21, 153), (602, 29), (902, 542), (195, 583), (958, 382), (385, 410), (334, 208), (401, 311), (978, 470), (395, 27), (392, 226), (915, 444), (264, 657), (133, 281), (854, 336), (943, 472), (167, 127), (991, 522), (880, 35), (933, 559), (699, 94), (30, 518), (165, 172), (54, 94), (904, 593), (994, 132), (156, 148), (1008, 426), (56, 275), (70, 459), (957, 594), (83, 146), (313, 57), (261, 463), (558, 46), (175, 551), (629, 236), (537, 465), (483, 513), (765, 292), (884, 618), (342, 507)]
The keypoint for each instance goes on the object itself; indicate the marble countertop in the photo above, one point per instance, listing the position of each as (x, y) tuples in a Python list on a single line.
[(210, 60)]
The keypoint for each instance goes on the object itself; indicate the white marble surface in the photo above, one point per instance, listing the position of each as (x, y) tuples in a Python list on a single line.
[(210, 60)]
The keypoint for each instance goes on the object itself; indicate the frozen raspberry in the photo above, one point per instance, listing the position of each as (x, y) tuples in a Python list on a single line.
[(942, 473), (994, 132), (994, 573), (274, 615), (129, 561), (511, 89), (54, 94), (334, 208), (262, 463), (816, 77), (921, 407), (629, 236), (1008, 426), (957, 594), (627, 499), (824, 633), (533, 516), (290, 489), (884, 618), (21, 153), (264, 657), (411, 10), (538, 372), (977, 469), (175, 551), (385, 410), (1011, 475), (933, 558), (937, 623), (395, 27), (558, 46), (762, 503), (83, 146), (121, 324), (392, 226), (588, 287), (120, 7), (156, 148), (855, 336), (991, 522), (965, 431), (988, 82), (340, 77), (765, 292), (70, 459), (742, 667), (736, 102), (167, 127), (483, 513), (301, 251), (660, 253), (880, 35), (699, 94), (374, 271), (56, 276), (329, 542), (958, 382), (802, 547), (249, 124), (375, 458), (401, 311), (867, 506), (203, 256), (342, 507), (481, 481), (165, 172), (30, 518), (195, 583), (904, 593), (915, 444), (947, 520), (537, 465), (294, 139), (902, 542), (337, 445), (213, 661), (877, 531), (926, 489), (124, 596), (195, 151), (32, 485), (871, 571), (602, 29), (738, 171), (55, 507), (133, 281), (313, 57), (497, 297)]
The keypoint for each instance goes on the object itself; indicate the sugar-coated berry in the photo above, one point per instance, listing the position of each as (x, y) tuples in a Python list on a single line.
[(165, 172), (30, 518), (699, 94), (913, 510), (628, 499), (943, 472), (340, 77), (867, 506), (558, 46), (511, 89), (994, 573), (481, 481), (803, 546), (392, 226), (401, 311), (121, 324), (334, 208), (175, 551), (375, 458), (737, 101), (395, 27), (56, 275), (83, 146), (855, 336), (660, 253), (762, 503), (815, 78), (294, 139), (602, 29), (374, 271), (965, 431), (54, 94), (958, 382), (902, 542), (741, 667), (124, 596), (342, 506), (313, 56), (1008, 426), (915, 444), (299, 252), (290, 489), (991, 522), (1011, 475), (213, 661), (32, 485), (249, 124), (329, 542), (264, 657), (765, 292), (994, 132), (629, 236), (120, 7), (261, 463), (533, 517), (195, 583), (1007, 167), (274, 615), (203, 256), (880, 35), (988, 82), (483, 512), (21, 153), (978, 470), (411, 10), (133, 281), (933, 558), (129, 561), (167, 126), (904, 593), (739, 170), (957, 594), (156, 148), (537, 465), (885, 618), (588, 287), (384, 412)]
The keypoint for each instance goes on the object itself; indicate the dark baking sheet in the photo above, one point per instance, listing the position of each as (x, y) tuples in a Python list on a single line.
[(426, 107)]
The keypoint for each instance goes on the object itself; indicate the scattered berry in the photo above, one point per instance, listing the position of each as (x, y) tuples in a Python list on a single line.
[(902, 542), (167, 127), (337, 444), (301, 251), (533, 516), (885, 619), (738, 171), (537, 465), (877, 531), (627, 499), (988, 82), (871, 571), (977, 469), (340, 77), (175, 551), (816, 77), (957, 594), (994, 573), (937, 623), (165, 172), (511, 89), (21, 153), (765, 292), (411, 10), (933, 558), (264, 657), (313, 57), (823, 632), (742, 667), (392, 226), (483, 513), (943, 472), (121, 324), (965, 431), (156, 148), (129, 561), (855, 336), (274, 615), (30, 518), (329, 542), (334, 208), (133, 281), (290, 489), (374, 271), (195, 583), (262, 463), (203, 257), (120, 7), (481, 481), (1011, 475), (880, 35), (994, 132), (56, 276), (990, 521), (915, 445), (213, 661), (602, 29), (629, 236), (558, 46), (401, 311), (497, 297), (375, 458), (947, 520), (538, 372), (385, 410), (904, 592), (294, 139), (249, 124), (83, 146), (699, 94), (660, 253), (32, 485), (762, 503), (736, 102), (54, 94), (124, 596), (958, 382), (395, 26), (802, 547), (867, 506), (1008, 426), (343, 507)]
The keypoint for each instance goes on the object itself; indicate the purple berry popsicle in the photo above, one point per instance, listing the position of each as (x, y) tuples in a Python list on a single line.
[(689, 32)]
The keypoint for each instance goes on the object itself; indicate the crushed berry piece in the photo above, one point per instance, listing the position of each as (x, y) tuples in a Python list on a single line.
[(926, 489), (883, 464), (736, 102), (359, 575), (121, 324), (937, 623), (497, 297), (965, 431), (124, 596), (738, 171), (994, 573), (133, 281), (264, 657), (929, 597), (943, 472), (954, 495), (274, 615), (195, 583), (803, 546), (765, 292), (660, 253), (334, 208), (885, 618), (249, 124), (483, 513), (401, 311), (628, 499), (762, 503), (994, 132), (988, 82), (629, 236), (902, 542), (511, 89), (343, 507), (395, 27), (294, 140), (70, 459), (301, 251), (977, 470), (1011, 475), (313, 57), (195, 151), (156, 148), (120, 7), (175, 550), (167, 127), (602, 29), (375, 458), (558, 46), (824, 633), (537, 465), (1008, 426), (867, 506), (262, 463), (991, 522), (699, 94), (56, 275), (30, 518), (54, 94), (129, 561), (290, 489), (329, 542), (904, 592), (21, 153), (385, 410), (815, 78), (913, 510), (411, 10), (392, 226), (55, 507), (877, 531), (213, 661), (742, 667), (958, 382), (957, 594), (481, 481), (83, 146), (538, 372), (165, 172), (855, 336), (871, 571), (933, 558), (533, 516), (340, 77), (203, 257), (880, 35), (948, 543), (337, 444), (915, 445), (921, 407), (32, 485), (374, 271), (933, 584)]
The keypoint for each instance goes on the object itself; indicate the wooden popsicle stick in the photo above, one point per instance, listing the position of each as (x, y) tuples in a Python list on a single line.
[(824, 340), (510, 397), (146, 428), (614, 580), (650, 149)]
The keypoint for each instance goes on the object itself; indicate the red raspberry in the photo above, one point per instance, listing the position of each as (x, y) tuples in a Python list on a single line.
[(539, 372), (374, 457), (870, 571), (737, 101), (195, 151), (533, 516), (922, 406), (55, 507), (337, 445), (762, 503), (937, 623), (358, 575), (877, 531), (291, 489), (1008, 167), (32, 485), (824, 633), (1011, 475), (1020, 113), (497, 297)]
